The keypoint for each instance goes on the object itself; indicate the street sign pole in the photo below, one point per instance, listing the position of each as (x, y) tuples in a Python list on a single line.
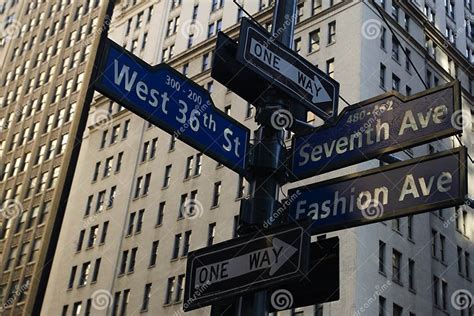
[(269, 155)]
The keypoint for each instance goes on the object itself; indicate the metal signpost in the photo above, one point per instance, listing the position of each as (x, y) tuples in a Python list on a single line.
[(245, 264), (169, 100), (375, 127), (400, 189), (287, 70)]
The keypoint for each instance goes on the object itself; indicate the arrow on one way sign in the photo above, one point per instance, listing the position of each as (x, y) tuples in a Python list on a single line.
[(272, 257)]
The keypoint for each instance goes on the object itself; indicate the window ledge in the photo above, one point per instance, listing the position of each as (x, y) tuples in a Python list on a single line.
[(397, 282)]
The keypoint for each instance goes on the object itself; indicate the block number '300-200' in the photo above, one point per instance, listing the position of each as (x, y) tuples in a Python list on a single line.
[(182, 118)]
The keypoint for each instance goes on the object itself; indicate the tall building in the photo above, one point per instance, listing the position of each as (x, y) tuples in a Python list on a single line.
[(124, 239), (46, 49)]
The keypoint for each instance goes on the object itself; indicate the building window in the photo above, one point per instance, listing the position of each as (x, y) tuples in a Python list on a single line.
[(80, 240), (444, 294), (382, 306), (211, 232), (467, 259), (77, 308), (297, 45), (176, 245), (170, 290), (166, 179), (411, 274), (123, 263), (330, 67), (396, 266), (133, 257), (235, 227), (182, 206), (316, 6), (103, 236), (299, 12), (397, 310), (396, 224), (410, 226), (189, 167), (198, 165), (205, 62), (154, 253), (395, 83), (314, 40), (395, 50), (383, 35), (442, 244), (434, 243), (92, 236), (382, 247), (383, 70), (186, 243), (332, 32), (407, 61), (146, 297), (72, 276), (161, 212), (436, 290), (179, 288), (240, 187), (95, 273), (216, 194)]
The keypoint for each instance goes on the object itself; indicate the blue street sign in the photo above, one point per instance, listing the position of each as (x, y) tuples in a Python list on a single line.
[(408, 187), (375, 127), (174, 103)]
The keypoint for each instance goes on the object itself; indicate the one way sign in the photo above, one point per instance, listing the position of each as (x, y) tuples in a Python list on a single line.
[(245, 264), (288, 71)]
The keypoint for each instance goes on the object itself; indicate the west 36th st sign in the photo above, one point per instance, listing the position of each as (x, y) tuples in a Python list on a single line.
[(375, 127), (174, 103)]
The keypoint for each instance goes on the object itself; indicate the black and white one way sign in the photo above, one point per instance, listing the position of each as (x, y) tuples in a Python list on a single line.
[(287, 70), (245, 264)]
